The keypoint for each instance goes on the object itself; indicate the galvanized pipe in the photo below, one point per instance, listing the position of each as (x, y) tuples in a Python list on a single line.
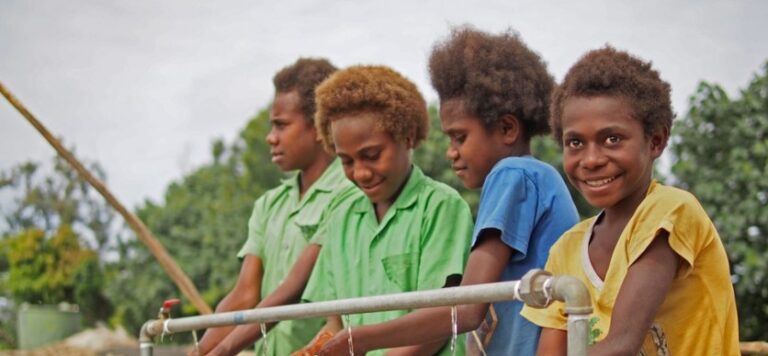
[(578, 306), (474, 294)]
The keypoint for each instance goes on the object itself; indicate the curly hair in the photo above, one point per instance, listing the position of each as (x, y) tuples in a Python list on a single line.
[(495, 75), (304, 76), (396, 103), (613, 73)]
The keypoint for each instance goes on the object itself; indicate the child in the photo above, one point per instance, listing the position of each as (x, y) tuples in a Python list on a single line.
[(285, 218), (408, 232), (652, 260), (494, 96)]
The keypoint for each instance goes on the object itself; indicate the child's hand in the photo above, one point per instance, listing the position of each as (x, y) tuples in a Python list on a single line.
[(314, 347), (339, 346)]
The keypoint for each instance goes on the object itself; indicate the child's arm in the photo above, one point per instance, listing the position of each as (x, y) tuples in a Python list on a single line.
[(642, 292), (433, 325), (287, 292), (244, 295), (552, 342)]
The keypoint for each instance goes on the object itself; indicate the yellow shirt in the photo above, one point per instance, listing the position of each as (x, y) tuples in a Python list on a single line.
[(698, 315)]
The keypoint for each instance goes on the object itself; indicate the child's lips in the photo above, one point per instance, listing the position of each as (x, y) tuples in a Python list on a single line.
[(276, 157)]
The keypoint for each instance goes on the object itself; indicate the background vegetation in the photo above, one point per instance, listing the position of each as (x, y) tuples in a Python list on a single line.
[(60, 242)]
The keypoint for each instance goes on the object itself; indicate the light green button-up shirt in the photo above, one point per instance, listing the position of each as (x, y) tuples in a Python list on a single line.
[(279, 229), (422, 240)]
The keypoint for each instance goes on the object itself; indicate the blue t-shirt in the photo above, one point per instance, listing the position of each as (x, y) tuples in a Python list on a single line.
[(528, 202)]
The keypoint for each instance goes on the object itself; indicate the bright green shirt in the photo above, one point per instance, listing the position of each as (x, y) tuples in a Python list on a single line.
[(279, 229), (423, 239)]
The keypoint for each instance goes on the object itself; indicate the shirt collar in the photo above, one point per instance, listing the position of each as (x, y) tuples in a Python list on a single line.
[(332, 177)]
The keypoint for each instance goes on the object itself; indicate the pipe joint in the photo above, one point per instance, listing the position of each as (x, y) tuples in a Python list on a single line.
[(531, 288), (573, 292)]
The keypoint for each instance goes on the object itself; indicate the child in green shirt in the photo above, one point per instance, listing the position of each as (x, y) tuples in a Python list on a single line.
[(277, 255), (407, 232)]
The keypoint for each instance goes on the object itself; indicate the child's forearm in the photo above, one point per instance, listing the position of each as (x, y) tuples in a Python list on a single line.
[(289, 292), (642, 292), (430, 326)]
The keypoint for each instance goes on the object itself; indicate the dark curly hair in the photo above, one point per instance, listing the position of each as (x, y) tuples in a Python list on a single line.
[(613, 73), (495, 75), (304, 76), (399, 108)]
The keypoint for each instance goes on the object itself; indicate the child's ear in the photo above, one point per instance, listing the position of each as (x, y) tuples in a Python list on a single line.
[(659, 142), (511, 128)]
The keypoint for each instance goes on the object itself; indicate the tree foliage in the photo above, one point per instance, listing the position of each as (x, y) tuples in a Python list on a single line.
[(722, 157), (202, 222), (55, 231)]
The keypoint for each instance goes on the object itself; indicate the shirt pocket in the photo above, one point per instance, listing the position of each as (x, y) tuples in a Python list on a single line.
[(402, 270), (307, 229)]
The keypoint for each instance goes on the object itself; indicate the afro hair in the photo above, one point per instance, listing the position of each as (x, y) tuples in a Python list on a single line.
[(613, 73), (495, 75), (394, 101), (303, 77)]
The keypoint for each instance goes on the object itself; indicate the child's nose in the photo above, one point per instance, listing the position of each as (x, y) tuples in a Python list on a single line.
[(361, 173), (593, 158), (452, 153), (271, 138)]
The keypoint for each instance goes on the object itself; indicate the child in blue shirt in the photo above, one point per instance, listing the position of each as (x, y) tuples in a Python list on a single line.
[(494, 97)]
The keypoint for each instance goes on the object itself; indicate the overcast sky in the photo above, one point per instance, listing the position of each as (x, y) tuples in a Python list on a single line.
[(143, 87)]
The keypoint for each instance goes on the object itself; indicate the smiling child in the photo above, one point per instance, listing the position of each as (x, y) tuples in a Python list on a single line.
[(652, 260)]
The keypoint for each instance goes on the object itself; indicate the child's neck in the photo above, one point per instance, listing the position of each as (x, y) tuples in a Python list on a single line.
[(608, 229), (313, 172)]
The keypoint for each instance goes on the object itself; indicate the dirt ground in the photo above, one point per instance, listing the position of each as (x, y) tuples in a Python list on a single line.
[(101, 341)]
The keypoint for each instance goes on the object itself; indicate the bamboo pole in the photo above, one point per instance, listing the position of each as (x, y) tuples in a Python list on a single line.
[(146, 236)]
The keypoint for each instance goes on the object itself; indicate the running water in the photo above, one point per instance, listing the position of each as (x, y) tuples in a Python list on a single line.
[(454, 328), (265, 345), (349, 332)]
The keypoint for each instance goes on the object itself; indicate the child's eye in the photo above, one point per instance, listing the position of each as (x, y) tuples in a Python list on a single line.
[(346, 162), (573, 143), (372, 156), (612, 139), (459, 138)]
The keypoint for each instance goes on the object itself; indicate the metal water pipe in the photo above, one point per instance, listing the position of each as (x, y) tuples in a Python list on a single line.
[(537, 288)]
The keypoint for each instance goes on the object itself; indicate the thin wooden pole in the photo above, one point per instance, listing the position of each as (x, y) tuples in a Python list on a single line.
[(146, 236)]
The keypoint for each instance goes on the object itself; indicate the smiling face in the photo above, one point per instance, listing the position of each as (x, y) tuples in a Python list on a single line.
[(293, 140), (474, 149), (371, 158), (606, 154)]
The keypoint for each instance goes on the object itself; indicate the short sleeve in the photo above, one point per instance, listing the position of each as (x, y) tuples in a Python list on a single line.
[(684, 222), (257, 225), (445, 242), (508, 203), (553, 316)]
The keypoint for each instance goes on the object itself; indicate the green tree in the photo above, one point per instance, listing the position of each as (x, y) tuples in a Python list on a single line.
[(202, 222), (722, 157), (53, 269), (55, 230)]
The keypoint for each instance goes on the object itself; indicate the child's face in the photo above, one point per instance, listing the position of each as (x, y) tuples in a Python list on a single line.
[(293, 140), (372, 158), (474, 149), (606, 154)]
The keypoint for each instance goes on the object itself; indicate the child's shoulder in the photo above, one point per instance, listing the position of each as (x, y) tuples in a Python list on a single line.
[(667, 197), (531, 167)]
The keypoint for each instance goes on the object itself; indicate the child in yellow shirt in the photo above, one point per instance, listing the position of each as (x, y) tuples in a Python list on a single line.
[(652, 260)]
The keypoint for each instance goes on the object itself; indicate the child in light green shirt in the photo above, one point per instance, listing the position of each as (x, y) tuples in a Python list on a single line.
[(408, 232)]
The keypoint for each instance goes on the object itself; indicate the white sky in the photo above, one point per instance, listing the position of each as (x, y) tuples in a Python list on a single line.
[(143, 87)]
